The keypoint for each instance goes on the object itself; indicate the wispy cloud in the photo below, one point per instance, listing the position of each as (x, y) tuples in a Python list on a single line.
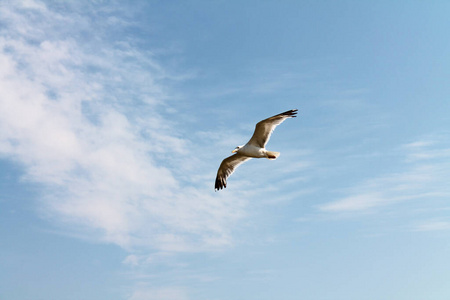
[(423, 176), (84, 112), (168, 293), (433, 226)]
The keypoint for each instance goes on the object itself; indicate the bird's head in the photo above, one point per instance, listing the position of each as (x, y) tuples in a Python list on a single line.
[(236, 149)]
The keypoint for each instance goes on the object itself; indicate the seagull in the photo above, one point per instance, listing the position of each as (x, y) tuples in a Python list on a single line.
[(255, 147)]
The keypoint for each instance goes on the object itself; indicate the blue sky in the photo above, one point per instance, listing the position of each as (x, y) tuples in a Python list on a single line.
[(115, 115)]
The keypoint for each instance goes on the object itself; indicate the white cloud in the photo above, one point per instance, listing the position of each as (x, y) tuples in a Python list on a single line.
[(86, 118), (423, 178), (131, 260), (168, 293), (433, 226), (355, 202)]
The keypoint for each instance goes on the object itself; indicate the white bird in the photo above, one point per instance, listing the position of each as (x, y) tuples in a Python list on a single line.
[(255, 147)]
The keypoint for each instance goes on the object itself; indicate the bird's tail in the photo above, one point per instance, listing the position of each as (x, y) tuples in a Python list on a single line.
[(272, 154)]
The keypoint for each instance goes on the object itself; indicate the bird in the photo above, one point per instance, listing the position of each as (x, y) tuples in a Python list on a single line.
[(255, 147)]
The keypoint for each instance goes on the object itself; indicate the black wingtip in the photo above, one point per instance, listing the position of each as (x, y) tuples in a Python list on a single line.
[(220, 184), (290, 113)]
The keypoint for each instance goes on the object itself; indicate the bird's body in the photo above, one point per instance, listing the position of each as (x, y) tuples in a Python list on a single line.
[(255, 147), (252, 151)]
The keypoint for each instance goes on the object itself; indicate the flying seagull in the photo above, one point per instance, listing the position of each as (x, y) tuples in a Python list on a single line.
[(253, 149)]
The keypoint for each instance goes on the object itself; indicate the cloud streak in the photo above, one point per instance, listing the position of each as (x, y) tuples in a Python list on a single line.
[(433, 226), (424, 178)]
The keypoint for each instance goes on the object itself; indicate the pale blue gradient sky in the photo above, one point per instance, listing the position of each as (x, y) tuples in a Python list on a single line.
[(115, 115)]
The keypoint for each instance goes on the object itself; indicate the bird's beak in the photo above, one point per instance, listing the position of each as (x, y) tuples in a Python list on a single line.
[(234, 151)]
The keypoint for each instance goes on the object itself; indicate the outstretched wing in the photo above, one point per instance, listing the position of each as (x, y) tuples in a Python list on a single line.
[(264, 128), (227, 168)]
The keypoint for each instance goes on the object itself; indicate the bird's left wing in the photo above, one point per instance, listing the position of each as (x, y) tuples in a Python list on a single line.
[(264, 128), (227, 168)]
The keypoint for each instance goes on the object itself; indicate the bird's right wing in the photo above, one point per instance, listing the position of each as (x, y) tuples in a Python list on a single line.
[(227, 168)]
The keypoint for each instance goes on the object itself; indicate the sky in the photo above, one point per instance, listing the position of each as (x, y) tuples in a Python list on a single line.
[(115, 115)]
